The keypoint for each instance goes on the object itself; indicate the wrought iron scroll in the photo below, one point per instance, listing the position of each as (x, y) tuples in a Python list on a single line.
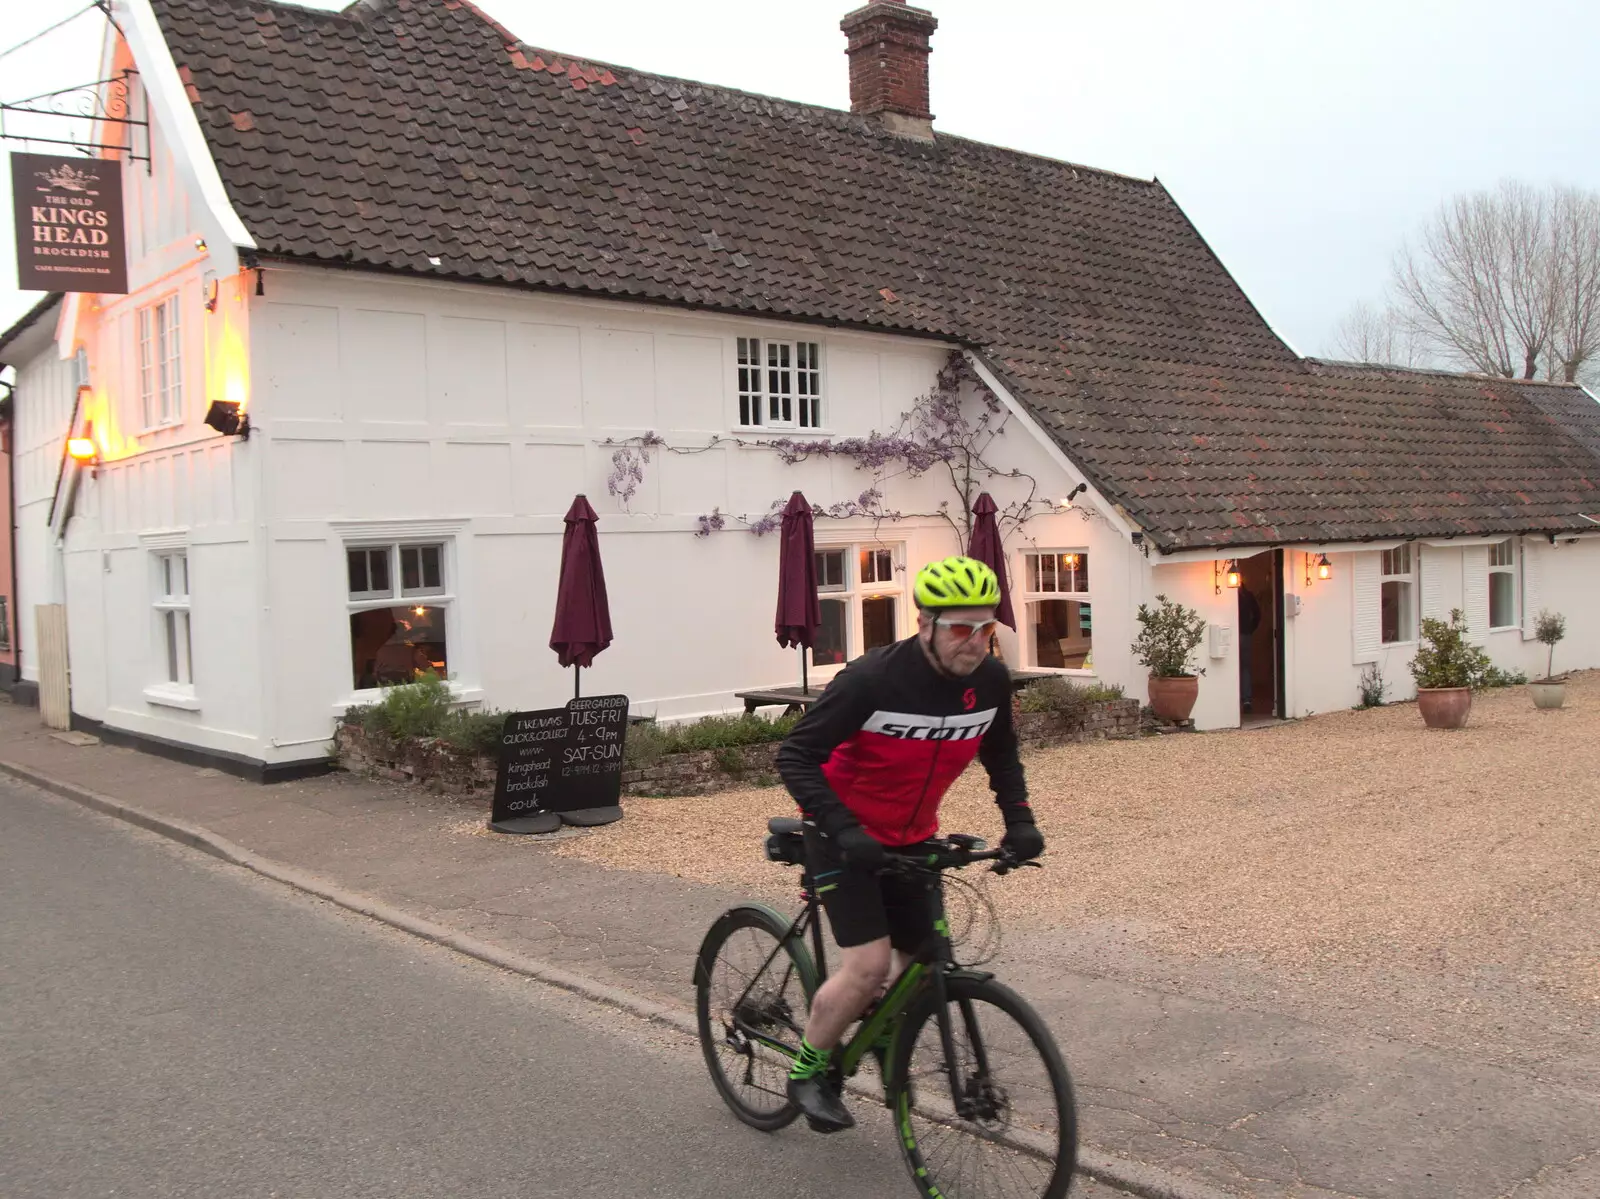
[(107, 101)]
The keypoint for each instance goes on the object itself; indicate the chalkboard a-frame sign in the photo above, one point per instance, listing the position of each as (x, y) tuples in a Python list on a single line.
[(561, 765)]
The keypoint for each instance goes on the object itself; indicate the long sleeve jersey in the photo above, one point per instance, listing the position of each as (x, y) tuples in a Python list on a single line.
[(890, 734)]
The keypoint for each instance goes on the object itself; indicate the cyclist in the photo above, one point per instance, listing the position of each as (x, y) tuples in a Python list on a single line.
[(868, 764)]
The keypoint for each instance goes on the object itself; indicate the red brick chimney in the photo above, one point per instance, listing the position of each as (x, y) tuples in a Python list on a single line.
[(888, 49)]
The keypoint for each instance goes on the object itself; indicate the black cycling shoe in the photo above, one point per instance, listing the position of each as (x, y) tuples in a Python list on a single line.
[(820, 1104)]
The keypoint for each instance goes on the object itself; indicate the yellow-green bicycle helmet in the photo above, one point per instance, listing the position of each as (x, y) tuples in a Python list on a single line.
[(957, 583)]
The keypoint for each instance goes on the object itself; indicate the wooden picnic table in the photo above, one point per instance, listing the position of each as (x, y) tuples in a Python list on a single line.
[(794, 700)]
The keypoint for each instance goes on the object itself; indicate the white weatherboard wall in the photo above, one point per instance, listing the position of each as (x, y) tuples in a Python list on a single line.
[(42, 407), (159, 486), (392, 410)]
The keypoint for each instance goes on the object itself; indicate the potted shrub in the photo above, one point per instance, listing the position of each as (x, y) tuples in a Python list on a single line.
[(1550, 691), (1168, 636), (1447, 668)]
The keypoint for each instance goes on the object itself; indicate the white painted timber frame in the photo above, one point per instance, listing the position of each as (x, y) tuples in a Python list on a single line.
[(169, 103)]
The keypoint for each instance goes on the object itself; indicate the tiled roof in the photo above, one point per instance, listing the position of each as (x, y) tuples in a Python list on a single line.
[(403, 131)]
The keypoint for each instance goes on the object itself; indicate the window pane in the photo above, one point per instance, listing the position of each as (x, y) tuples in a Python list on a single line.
[(183, 563), (186, 656), (1075, 573), (1502, 599), (1395, 617), (390, 646), (878, 626), (432, 570), (378, 570), (833, 638), (358, 571), (172, 646), (877, 566), (830, 568), (410, 568), (166, 574), (1062, 632), (1501, 554)]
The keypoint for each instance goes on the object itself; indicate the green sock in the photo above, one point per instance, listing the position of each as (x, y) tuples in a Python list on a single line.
[(811, 1062)]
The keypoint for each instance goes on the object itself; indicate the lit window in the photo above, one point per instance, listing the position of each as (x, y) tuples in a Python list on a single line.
[(1059, 629), (780, 384), (1503, 585), (160, 364), (393, 643), (861, 595), (1398, 609)]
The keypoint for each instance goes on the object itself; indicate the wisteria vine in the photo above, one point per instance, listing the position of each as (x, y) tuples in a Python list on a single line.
[(936, 432)]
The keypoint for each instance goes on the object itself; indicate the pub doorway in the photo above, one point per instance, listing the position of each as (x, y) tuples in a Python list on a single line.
[(1260, 634)]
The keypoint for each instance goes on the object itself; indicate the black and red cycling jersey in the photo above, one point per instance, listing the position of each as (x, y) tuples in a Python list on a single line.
[(890, 734)]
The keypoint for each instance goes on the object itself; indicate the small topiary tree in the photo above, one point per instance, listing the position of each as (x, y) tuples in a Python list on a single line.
[(1168, 635), (1550, 628)]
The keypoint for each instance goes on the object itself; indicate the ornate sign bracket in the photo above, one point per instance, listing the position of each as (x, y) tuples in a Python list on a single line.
[(105, 101)]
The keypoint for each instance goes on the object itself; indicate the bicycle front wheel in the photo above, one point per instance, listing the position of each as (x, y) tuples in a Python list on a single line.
[(753, 988), (993, 1116)]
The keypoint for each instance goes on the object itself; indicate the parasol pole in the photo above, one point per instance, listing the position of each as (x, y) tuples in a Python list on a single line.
[(576, 675), (804, 685)]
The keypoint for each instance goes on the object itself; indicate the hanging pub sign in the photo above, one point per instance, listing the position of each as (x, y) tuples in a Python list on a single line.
[(561, 765), (70, 235)]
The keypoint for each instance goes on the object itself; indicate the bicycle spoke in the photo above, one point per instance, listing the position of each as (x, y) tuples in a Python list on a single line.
[(1004, 1141)]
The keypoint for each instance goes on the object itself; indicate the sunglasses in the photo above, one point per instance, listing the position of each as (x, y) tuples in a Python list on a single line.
[(968, 629)]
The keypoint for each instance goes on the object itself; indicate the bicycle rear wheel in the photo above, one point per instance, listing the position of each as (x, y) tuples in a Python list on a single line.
[(1015, 1132), (752, 996)]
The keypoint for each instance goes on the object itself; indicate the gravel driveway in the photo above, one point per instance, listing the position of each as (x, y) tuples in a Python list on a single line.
[(1440, 885)]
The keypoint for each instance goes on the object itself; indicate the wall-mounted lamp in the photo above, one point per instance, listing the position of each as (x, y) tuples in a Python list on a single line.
[(200, 244), (1323, 568), (82, 449), (1074, 494), (1230, 575), (224, 416), (208, 288)]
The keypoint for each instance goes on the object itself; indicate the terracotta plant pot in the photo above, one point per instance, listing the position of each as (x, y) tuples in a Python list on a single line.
[(1445, 707), (1173, 698), (1548, 693)]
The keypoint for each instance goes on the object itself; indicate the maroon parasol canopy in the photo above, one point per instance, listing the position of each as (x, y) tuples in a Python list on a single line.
[(987, 548), (583, 617), (799, 613)]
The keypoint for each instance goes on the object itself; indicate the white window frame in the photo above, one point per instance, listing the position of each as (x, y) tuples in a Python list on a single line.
[(1026, 596), (779, 383), (172, 574), (1411, 611), (853, 590), (1512, 568), (159, 332), (398, 595)]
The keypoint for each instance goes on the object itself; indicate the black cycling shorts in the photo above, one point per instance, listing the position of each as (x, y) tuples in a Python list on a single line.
[(863, 906)]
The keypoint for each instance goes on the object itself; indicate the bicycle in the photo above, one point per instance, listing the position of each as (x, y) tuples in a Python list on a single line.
[(938, 1061)]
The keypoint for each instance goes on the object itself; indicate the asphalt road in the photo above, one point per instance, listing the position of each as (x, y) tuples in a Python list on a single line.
[(172, 1026)]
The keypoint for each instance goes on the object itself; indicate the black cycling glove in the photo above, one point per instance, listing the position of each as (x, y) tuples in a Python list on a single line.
[(1024, 840), (859, 847)]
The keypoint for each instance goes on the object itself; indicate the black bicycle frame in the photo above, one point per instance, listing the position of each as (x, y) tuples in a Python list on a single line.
[(934, 959)]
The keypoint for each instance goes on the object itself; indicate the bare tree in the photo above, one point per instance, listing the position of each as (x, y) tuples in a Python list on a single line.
[(1508, 282), (1385, 336)]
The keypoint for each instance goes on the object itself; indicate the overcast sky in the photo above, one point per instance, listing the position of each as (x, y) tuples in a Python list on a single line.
[(1304, 138)]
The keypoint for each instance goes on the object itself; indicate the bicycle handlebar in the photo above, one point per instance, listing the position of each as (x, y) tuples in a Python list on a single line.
[(954, 854)]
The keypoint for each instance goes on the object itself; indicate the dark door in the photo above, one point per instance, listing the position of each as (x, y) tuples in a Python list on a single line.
[(1260, 626)]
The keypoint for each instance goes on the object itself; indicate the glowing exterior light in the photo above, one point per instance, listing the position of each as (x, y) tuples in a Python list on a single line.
[(1233, 574), (82, 449), (1324, 568)]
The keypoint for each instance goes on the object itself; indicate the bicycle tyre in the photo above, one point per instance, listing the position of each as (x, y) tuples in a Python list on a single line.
[(754, 931), (1003, 1144)]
